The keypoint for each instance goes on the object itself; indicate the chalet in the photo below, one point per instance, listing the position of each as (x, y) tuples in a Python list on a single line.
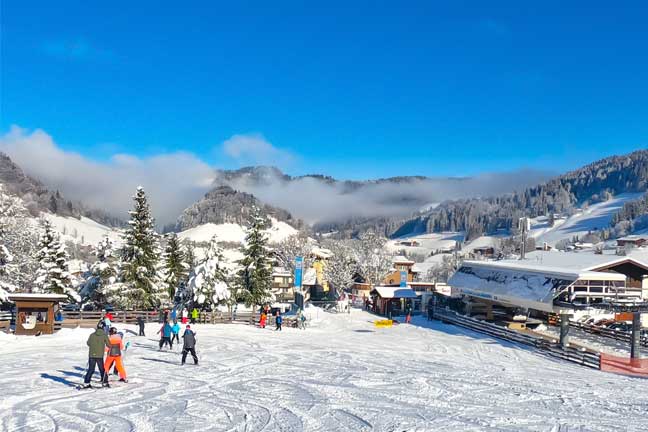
[(632, 241), (402, 267), (283, 285), (484, 251)]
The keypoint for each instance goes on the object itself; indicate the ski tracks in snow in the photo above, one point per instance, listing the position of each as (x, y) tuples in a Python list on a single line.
[(341, 375)]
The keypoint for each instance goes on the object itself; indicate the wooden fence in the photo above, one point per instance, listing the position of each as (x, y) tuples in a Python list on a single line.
[(90, 319)]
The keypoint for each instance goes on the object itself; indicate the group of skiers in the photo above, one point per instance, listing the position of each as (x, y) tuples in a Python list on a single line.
[(106, 340), (185, 315), (265, 313), (112, 345)]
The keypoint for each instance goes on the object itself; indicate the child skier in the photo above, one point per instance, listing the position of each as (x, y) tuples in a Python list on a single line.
[(114, 351), (262, 320), (175, 330), (278, 321), (189, 345), (165, 335)]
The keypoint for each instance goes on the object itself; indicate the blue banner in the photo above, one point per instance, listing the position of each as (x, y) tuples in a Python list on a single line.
[(299, 267), (403, 279)]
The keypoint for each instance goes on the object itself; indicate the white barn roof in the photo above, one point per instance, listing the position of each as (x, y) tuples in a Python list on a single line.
[(395, 292)]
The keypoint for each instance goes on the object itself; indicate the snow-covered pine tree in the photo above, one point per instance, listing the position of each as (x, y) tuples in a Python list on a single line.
[(175, 266), (19, 235), (53, 276), (103, 274), (208, 281), (5, 262), (254, 279), (140, 285), (341, 267)]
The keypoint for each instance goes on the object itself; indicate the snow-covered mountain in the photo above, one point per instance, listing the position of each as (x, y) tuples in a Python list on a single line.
[(224, 205), (37, 198)]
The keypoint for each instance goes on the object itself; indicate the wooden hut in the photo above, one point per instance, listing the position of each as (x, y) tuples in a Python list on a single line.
[(35, 312)]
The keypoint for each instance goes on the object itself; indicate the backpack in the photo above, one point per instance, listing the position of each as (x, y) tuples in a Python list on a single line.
[(114, 350)]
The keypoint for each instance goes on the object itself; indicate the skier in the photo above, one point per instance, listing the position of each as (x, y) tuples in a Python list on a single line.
[(140, 323), (262, 319), (408, 313), (96, 343), (114, 351), (165, 335), (278, 321), (185, 315), (194, 315), (107, 322), (189, 345), (174, 314), (175, 330), (301, 320)]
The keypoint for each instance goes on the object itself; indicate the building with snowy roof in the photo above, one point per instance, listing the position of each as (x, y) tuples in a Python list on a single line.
[(539, 287)]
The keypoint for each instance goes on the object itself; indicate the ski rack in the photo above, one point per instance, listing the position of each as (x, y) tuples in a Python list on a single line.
[(552, 349)]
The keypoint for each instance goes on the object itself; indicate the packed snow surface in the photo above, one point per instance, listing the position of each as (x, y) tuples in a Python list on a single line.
[(341, 374)]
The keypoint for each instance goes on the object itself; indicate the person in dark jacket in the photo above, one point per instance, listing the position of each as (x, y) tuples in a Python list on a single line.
[(189, 345), (97, 343), (140, 323)]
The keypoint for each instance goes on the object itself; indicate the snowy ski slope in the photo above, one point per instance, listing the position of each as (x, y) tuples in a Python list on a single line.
[(341, 374), (597, 216)]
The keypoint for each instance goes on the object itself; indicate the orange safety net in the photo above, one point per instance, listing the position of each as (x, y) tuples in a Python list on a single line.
[(624, 365)]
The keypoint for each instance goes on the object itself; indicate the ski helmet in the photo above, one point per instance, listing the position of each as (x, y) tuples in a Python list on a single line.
[(113, 330)]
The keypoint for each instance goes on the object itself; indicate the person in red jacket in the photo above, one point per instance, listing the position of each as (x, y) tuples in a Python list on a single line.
[(115, 354)]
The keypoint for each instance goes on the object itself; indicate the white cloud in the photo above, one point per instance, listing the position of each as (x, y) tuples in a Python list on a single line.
[(254, 149), (172, 181)]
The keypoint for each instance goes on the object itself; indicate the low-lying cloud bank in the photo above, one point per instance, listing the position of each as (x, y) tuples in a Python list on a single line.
[(172, 181), (176, 180), (318, 201)]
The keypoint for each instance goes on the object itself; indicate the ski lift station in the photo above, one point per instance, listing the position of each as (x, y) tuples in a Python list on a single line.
[(554, 282)]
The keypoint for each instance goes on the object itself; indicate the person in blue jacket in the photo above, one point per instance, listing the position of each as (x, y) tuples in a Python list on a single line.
[(175, 330), (165, 333), (278, 321)]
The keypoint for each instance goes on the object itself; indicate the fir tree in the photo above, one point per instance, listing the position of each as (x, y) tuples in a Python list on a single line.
[(53, 276), (175, 267), (138, 273), (103, 274), (254, 279)]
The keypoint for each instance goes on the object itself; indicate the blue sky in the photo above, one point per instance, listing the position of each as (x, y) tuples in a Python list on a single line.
[(350, 89)]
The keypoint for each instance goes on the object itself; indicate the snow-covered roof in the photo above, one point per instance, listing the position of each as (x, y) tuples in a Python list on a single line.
[(280, 271), (394, 292), (633, 237), (577, 261), (36, 296), (399, 259), (521, 284), (321, 252)]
